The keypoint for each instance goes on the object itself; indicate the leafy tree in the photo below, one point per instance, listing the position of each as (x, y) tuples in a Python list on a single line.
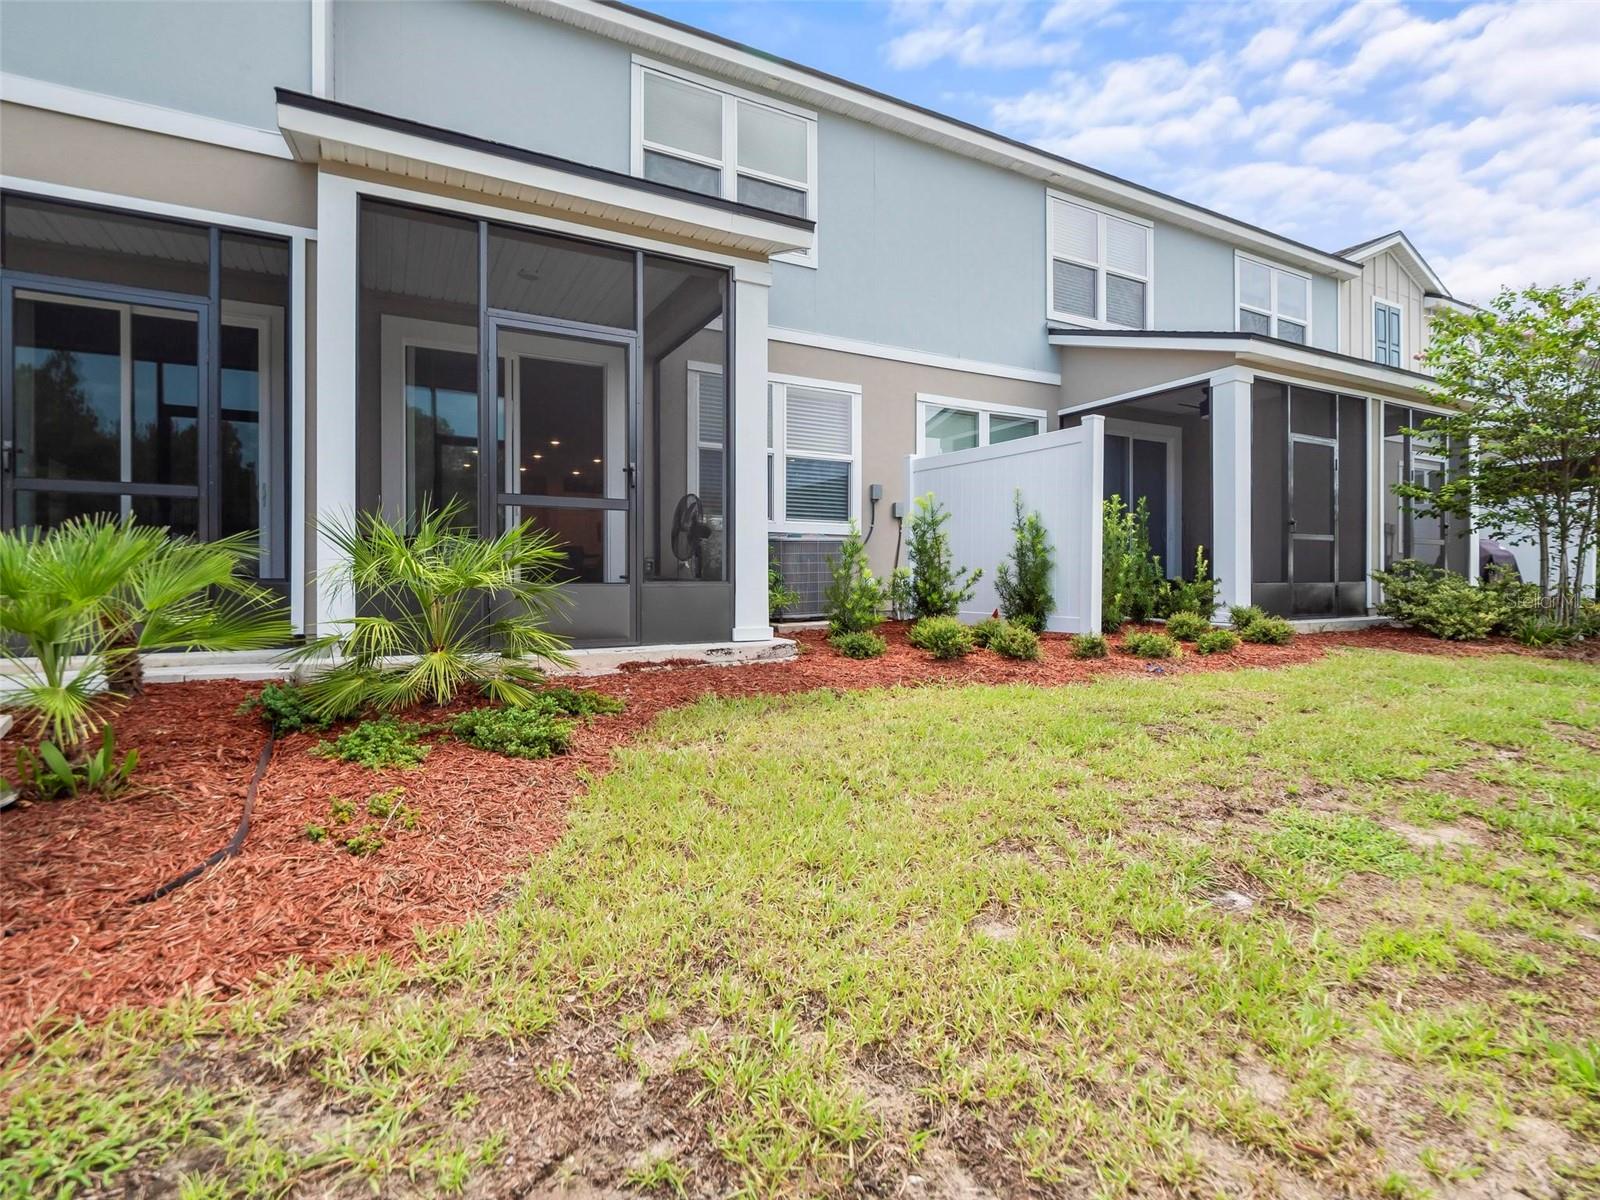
[(446, 611), (1023, 581), (855, 598), (938, 586), (81, 604), (1523, 380)]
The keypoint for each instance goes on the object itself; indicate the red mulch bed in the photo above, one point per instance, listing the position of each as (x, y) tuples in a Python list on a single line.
[(75, 945)]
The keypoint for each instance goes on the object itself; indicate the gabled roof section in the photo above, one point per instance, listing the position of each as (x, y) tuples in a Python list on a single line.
[(1401, 246), (674, 41)]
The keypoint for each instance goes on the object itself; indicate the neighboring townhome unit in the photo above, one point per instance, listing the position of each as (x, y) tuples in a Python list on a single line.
[(680, 303)]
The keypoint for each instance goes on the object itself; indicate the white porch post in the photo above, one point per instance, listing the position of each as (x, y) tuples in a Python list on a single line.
[(1230, 483), (1094, 428), (336, 380), (751, 616)]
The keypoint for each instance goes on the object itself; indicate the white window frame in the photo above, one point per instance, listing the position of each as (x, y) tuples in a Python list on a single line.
[(728, 164), (929, 402), (1276, 269), (1377, 303), (1100, 269), (777, 453), (695, 443)]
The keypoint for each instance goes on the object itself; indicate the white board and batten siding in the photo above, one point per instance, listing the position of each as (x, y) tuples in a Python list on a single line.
[(1384, 278), (1060, 475)]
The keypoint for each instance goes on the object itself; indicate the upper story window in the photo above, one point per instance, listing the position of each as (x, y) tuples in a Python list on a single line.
[(1385, 334), (813, 454), (715, 139), (1273, 300), (1100, 266), (945, 425)]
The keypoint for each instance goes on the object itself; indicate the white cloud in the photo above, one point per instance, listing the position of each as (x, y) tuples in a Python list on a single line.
[(1476, 129)]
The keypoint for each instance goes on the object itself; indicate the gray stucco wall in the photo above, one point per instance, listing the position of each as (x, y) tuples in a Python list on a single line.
[(218, 60), (488, 69), (1195, 287)]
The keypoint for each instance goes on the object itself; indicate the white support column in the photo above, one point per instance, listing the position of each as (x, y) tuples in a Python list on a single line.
[(751, 615), (337, 287), (1095, 430), (1230, 483)]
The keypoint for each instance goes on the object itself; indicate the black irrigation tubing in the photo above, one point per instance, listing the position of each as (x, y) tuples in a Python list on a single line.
[(234, 842)]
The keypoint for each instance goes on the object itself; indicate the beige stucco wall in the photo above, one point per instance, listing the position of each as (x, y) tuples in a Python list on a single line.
[(1088, 375), (55, 148), (889, 416)]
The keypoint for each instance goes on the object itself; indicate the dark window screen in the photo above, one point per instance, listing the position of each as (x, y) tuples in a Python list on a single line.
[(1352, 490), (1269, 492)]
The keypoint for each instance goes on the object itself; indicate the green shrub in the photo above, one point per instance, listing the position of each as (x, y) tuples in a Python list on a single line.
[(378, 744), (1540, 632), (1150, 645), (1197, 595), (900, 593), (1268, 631), (1023, 581), (1240, 616), (81, 604), (1439, 602), (855, 598), (1216, 641), (938, 586), (1131, 580), (1187, 626), (1015, 641), (45, 772), (576, 702), (1089, 645), (514, 732), (285, 708), (779, 594), (942, 637), (863, 644), (984, 630)]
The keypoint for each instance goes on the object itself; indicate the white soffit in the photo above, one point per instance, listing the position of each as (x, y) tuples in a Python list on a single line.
[(752, 69), (324, 137)]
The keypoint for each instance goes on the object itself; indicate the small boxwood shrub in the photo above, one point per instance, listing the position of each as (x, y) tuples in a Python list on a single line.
[(1089, 645), (942, 637), (1241, 615), (858, 645), (284, 708), (1439, 602), (1150, 645), (1187, 626), (514, 732), (1268, 631), (1216, 641), (386, 742), (1015, 641), (984, 630)]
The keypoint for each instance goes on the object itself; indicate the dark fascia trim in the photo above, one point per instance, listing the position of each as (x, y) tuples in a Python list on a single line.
[(467, 141), (1232, 335), (885, 97)]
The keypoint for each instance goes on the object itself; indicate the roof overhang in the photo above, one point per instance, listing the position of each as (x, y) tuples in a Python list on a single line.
[(1400, 245), (325, 131), (696, 48), (1262, 353)]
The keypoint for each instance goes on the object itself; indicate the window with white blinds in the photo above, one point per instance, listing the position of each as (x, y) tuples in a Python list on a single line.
[(1272, 300), (708, 420), (814, 451), (710, 138), (1100, 266)]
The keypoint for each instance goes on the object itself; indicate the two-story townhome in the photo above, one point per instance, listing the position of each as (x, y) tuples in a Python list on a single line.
[(679, 302)]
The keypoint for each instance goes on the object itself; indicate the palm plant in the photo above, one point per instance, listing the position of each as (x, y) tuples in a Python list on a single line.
[(446, 610), (82, 603)]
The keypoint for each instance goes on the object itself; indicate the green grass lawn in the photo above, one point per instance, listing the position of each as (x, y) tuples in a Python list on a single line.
[(952, 942)]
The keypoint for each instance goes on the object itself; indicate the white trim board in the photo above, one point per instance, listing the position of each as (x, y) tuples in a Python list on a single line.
[(905, 354), (136, 114)]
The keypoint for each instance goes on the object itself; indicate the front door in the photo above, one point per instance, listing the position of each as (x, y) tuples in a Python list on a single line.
[(562, 456)]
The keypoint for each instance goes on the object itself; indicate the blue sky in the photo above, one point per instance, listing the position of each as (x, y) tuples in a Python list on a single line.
[(1474, 127)]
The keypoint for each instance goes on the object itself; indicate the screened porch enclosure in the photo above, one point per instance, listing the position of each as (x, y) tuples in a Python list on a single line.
[(579, 386)]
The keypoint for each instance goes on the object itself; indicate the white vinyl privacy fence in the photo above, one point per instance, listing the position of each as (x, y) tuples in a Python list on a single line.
[(1060, 475)]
